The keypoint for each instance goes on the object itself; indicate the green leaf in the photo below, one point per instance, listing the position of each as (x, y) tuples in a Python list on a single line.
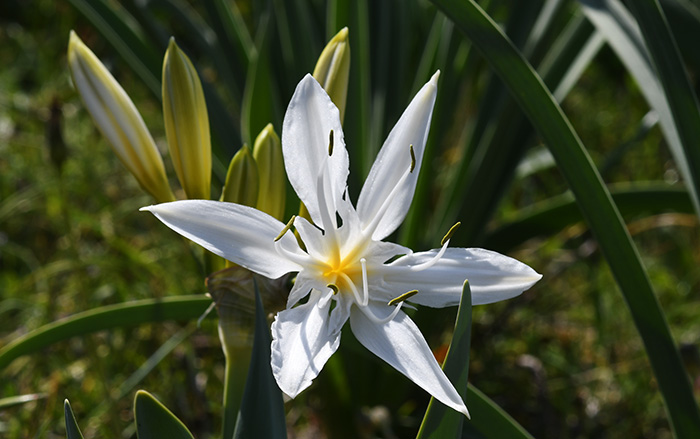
[(72, 429), (122, 315), (155, 421), (596, 205), (112, 24), (441, 421), (675, 83), (262, 408), (259, 97), (617, 25), (489, 420), (555, 214)]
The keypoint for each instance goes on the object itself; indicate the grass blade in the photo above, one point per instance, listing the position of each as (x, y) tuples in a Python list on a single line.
[(595, 202), (490, 421)]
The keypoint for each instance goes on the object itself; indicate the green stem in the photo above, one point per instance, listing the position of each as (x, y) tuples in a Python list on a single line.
[(237, 364)]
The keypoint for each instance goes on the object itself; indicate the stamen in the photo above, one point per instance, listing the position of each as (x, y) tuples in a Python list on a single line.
[(433, 261), (330, 144), (360, 301), (449, 233), (365, 286), (370, 315), (286, 228), (334, 288), (401, 298), (413, 158)]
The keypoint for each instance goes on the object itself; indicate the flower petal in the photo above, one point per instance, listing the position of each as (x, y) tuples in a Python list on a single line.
[(309, 119), (401, 344), (492, 277), (302, 342), (385, 183), (238, 233)]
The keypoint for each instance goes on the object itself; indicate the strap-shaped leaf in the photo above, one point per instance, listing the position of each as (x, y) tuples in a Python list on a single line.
[(155, 421), (122, 315), (262, 408), (72, 429), (595, 202), (441, 421)]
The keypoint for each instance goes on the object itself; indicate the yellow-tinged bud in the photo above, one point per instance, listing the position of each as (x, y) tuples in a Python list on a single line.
[(186, 123), (242, 179), (267, 152), (333, 69), (118, 119)]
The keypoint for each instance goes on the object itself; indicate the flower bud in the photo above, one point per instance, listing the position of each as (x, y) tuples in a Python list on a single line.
[(267, 152), (333, 68), (242, 179), (118, 119), (186, 123)]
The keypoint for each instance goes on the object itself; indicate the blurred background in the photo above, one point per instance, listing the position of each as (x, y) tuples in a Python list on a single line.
[(564, 359)]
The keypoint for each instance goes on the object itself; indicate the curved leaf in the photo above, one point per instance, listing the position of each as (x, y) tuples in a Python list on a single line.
[(155, 421), (595, 202), (122, 315)]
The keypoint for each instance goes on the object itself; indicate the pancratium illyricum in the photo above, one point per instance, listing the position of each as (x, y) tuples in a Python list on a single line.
[(343, 259)]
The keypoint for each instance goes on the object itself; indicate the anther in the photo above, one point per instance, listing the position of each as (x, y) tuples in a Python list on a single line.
[(450, 232), (334, 288), (330, 144), (401, 298), (413, 158), (286, 228)]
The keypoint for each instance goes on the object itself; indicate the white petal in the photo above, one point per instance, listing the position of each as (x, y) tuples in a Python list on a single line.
[(492, 277), (238, 233), (401, 344), (383, 184), (302, 342), (308, 122)]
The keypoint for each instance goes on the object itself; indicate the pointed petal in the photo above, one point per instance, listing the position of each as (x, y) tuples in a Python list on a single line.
[(492, 277), (302, 342), (238, 233), (384, 183), (308, 122), (401, 344)]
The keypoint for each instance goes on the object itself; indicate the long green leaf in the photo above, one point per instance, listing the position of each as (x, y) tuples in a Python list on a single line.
[(155, 421), (262, 408), (555, 214), (441, 421), (72, 429), (143, 59), (595, 202), (490, 421), (674, 80), (617, 25), (122, 315)]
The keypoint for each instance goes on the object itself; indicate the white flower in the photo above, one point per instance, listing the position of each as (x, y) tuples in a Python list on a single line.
[(347, 263)]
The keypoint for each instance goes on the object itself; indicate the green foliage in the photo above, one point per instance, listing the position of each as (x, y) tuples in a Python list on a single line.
[(154, 420), (563, 360)]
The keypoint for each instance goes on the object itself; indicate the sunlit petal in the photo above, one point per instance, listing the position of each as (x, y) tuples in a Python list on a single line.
[(310, 118), (385, 182), (302, 342), (238, 233), (401, 344), (492, 277)]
